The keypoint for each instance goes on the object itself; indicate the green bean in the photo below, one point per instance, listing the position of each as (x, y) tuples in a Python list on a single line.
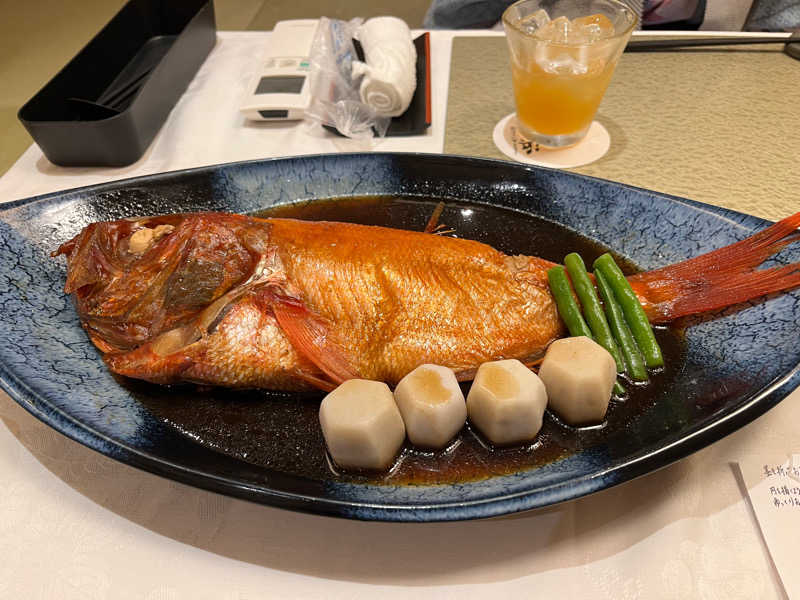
[(632, 309), (634, 362), (567, 307), (618, 390), (592, 311)]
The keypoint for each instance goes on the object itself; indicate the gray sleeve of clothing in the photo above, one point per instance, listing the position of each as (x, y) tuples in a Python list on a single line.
[(464, 14), (773, 15)]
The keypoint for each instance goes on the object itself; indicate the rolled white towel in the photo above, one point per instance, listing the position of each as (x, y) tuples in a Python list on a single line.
[(390, 72)]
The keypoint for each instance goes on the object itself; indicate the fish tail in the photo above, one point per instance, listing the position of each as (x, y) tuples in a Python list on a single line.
[(721, 277)]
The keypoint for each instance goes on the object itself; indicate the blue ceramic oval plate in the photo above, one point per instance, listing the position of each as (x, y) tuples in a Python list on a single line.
[(728, 369)]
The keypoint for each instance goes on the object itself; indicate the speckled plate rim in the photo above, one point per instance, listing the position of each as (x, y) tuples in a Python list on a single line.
[(699, 436)]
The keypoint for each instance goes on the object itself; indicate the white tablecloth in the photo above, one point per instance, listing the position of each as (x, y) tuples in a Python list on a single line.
[(75, 524)]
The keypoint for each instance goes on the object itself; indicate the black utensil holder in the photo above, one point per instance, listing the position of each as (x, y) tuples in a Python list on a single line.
[(106, 105)]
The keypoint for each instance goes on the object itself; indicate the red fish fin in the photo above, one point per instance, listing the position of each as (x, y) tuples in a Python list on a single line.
[(308, 334), (143, 363), (721, 277), (317, 382), (434, 220), (434, 226)]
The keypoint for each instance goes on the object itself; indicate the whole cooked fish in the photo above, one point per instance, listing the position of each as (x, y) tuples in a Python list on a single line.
[(232, 300)]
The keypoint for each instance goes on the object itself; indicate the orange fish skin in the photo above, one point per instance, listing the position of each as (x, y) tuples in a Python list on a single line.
[(397, 299), (379, 302)]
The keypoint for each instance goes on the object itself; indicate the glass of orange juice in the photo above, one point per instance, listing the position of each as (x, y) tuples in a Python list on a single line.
[(563, 54)]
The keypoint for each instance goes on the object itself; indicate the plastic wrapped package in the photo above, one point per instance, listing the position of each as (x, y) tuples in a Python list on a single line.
[(359, 98), (335, 98)]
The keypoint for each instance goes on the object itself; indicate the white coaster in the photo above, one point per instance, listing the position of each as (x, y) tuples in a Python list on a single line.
[(510, 141)]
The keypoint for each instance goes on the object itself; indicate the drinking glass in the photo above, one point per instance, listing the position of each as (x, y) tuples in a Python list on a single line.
[(563, 54)]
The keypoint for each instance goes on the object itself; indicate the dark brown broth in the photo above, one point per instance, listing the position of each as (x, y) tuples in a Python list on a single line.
[(281, 431)]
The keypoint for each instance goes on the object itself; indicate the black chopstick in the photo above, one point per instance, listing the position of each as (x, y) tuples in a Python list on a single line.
[(649, 45)]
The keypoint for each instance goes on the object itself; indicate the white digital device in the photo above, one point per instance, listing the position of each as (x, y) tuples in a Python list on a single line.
[(279, 89)]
